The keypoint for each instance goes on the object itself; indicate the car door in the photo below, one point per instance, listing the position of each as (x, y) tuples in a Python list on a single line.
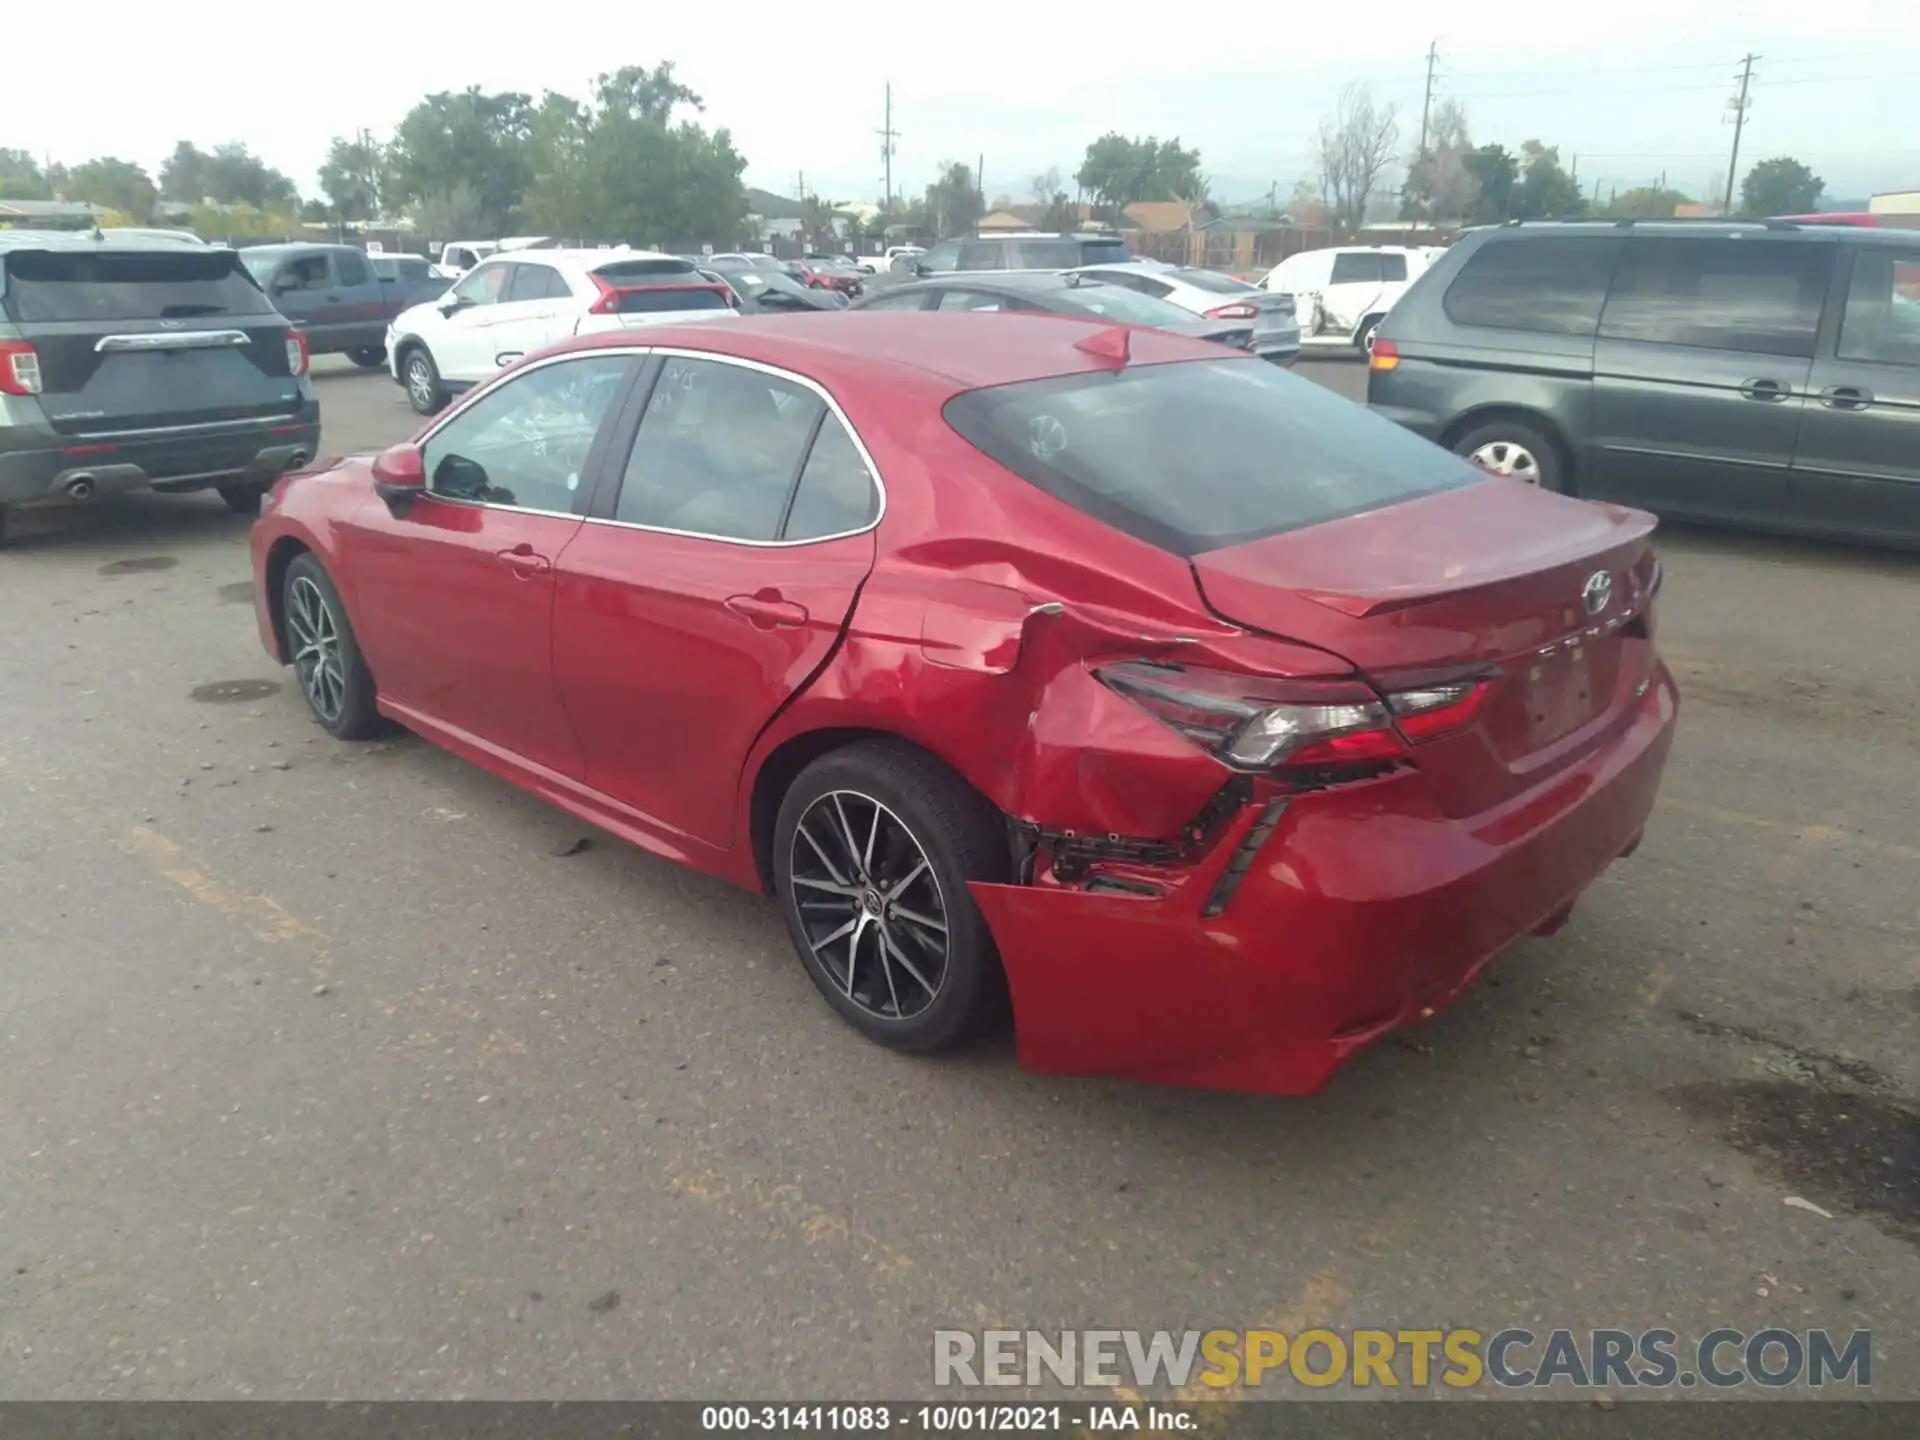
[(530, 316), (462, 344), (1352, 290), (305, 291), (454, 597), (1700, 371), (362, 312), (738, 531), (1857, 467)]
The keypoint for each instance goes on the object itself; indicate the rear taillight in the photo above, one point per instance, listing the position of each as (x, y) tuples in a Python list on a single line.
[(19, 368), (298, 355), (1385, 355), (609, 301), (1256, 724), (1239, 310)]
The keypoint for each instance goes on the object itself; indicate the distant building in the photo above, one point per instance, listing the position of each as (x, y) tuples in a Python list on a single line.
[(1900, 207), (1003, 222), (51, 214)]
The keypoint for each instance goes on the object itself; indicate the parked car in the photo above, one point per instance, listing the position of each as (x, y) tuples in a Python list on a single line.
[(457, 257), (333, 293), (520, 301), (1341, 294), (409, 279), (1085, 296), (147, 232), (1033, 251), (770, 292), (832, 272), (882, 263), (131, 362), (1208, 293), (1222, 725), (1763, 375)]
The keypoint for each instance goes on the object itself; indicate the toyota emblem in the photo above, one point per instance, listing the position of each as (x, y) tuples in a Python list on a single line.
[(1597, 593)]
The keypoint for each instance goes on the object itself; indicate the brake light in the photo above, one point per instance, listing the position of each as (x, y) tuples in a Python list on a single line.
[(609, 301), (1239, 310), (1251, 723), (298, 354), (1385, 356), (19, 368)]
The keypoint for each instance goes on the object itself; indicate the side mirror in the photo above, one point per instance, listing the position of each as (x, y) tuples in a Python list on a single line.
[(919, 267), (449, 303), (400, 477)]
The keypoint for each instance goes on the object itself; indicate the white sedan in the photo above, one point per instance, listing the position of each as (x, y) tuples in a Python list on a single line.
[(1276, 327), (516, 302)]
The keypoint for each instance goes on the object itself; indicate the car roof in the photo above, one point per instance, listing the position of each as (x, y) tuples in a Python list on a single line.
[(1712, 228), (86, 240), (1030, 280), (580, 259), (940, 354), (1046, 235)]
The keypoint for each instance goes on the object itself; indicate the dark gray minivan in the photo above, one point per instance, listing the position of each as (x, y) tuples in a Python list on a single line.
[(1764, 374)]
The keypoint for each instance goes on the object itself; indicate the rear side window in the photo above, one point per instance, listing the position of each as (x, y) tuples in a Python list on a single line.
[(1761, 296), (1202, 454), (836, 494), (161, 285), (1882, 318), (353, 268), (983, 257), (1214, 283), (1393, 267), (1355, 269), (661, 300), (1553, 285), (1103, 252)]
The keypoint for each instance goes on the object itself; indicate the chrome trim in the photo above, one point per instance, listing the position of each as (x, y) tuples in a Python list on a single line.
[(671, 352), (183, 340), (257, 421)]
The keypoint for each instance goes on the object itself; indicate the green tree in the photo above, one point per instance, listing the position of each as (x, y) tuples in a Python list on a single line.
[(230, 175), (816, 223), (1060, 213), (1117, 171), (351, 177), (467, 143), (1646, 202), (1546, 191), (1440, 186), (1495, 172), (1780, 186), (116, 184), (953, 201), (21, 177)]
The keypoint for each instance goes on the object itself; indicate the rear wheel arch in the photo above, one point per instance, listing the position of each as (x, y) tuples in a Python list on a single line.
[(784, 765), (1520, 415)]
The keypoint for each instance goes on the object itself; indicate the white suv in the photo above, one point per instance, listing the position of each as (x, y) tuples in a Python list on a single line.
[(1341, 294), (516, 302)]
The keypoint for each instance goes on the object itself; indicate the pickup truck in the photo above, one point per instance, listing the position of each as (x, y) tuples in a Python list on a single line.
[(333, 294)]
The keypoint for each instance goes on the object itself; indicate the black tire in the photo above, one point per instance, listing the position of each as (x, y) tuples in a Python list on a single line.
[(1363, 337), (243, 497), (960, 837), (347, 712), (369, 357), (426, 392), (1516, 450)]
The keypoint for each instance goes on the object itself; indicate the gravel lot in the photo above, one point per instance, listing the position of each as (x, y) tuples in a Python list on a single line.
[(323, 1073)]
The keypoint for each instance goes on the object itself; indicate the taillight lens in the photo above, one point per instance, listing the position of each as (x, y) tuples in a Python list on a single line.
[(1239, 310), (19, 368), (1385, 356), (298, 355), (1255, 724), (609, 301)]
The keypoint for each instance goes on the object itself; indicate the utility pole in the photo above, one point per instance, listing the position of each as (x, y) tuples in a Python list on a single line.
[(887, 136), (980, 179), (1426, 103), (1738, 106)]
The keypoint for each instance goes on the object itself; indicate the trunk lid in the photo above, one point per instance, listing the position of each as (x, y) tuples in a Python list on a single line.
[(141, 339), (1547, 595)]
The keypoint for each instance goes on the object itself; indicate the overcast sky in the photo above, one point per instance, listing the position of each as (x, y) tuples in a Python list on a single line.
[(1632, 87)]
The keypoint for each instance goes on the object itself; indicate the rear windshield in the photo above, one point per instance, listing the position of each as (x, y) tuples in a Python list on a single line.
[(1202, 454), (1218, 284), (1129, 307), (616, 271), (660, 301), (128, 285)]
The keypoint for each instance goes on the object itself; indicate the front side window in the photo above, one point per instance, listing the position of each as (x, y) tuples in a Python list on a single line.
[(1553, 284), (1882, 319), (525, 443), (718, 451), (944, 256), (484, 286), (1202, 454), (1758, 295), (309, 272)]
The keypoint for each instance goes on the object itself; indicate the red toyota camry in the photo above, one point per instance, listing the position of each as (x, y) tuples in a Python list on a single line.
[(1215, 724)]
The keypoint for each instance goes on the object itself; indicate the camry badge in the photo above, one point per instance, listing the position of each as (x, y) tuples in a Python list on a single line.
[(1597, 593)]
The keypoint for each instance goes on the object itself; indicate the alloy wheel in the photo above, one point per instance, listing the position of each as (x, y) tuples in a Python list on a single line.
[(1503, 457), (420, 380), (870, 904), (316, 649)]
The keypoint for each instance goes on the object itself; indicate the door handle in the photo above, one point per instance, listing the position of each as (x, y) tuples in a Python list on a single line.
[(1768, 391), (1846, 397), (767, 609), (333, 299), (525, 562)]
